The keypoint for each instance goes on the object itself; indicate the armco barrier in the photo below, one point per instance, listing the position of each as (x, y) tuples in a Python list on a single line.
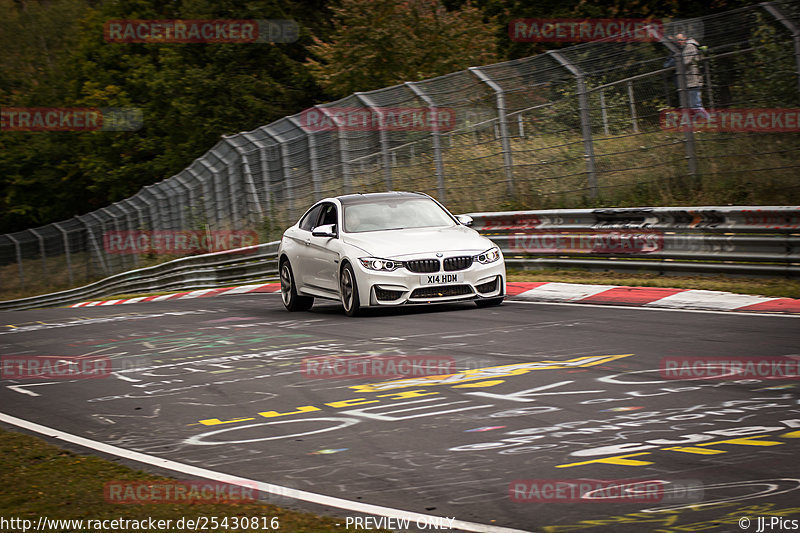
[(747, 241), (760, 241), (196, 272)]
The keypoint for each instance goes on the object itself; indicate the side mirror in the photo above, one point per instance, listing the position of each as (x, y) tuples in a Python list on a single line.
[(465, 220), (328, 230)]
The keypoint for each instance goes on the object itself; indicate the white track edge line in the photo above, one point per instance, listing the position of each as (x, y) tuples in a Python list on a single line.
[(312, 497)]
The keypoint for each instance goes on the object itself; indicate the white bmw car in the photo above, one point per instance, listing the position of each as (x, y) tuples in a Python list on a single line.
[(387, 249)]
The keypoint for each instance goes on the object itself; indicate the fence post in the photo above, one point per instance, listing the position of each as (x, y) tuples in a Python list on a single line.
[(139, 214), (42, 252), (174, 203), (93, 241), (709, 88), (266, 173), (264, 164), (163, 203), (632, 103), (683, 96), (347, 174), (212, 201), (502, 119), (313, 161), (286, 168), (792, 26), (19, 260), (163, 199), (233, 188), (65, 238), (187, 206), (128, 220), (586, 125), (436, 141), (178, 197), (153, 211), (384, 140), (124, 259), (204, 193), (116, 262), (603, 111), (88, 251), (248, 179)]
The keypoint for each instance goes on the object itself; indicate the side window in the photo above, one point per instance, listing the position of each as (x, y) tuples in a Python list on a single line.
[(328, 215), (309, 221)]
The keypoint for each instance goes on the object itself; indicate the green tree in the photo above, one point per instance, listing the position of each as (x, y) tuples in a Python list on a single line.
[(507, 10), (37, 171), (189, 95), (380, 43), (767, 76)]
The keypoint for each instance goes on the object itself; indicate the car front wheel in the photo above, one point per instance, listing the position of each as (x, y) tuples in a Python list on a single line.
[(291, 300), (349, 290)]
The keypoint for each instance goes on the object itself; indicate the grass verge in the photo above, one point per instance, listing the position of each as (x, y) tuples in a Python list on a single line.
[(38, 479)]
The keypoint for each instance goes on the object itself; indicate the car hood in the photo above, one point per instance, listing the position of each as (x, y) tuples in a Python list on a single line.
[(395, 244)]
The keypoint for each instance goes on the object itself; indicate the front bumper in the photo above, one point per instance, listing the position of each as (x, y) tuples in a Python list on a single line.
[(401, 287)]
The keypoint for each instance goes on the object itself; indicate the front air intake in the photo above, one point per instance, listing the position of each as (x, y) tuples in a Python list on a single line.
[(422, 266)]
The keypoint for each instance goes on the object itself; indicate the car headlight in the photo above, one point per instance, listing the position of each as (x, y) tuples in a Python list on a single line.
[(383, 265), (489, 256)]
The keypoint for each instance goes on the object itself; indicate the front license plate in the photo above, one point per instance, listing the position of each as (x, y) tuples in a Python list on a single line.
[(441, 279)]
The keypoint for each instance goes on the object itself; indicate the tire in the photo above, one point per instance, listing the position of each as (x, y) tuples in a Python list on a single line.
[(291, 300), (489, 302), (348, 287)]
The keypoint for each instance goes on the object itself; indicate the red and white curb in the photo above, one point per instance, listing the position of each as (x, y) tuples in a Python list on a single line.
[(202, 293), (654, 297)]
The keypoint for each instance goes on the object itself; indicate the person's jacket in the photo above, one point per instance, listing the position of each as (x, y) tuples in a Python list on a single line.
[(691, 61)]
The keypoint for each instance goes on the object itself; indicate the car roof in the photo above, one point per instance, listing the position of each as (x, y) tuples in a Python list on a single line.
[(351, 199)]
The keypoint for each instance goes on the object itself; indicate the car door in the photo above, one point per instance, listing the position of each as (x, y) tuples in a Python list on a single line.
[(299, 247), (323, 253)]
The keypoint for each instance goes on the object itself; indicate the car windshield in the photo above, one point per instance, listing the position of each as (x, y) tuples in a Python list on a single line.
[(401, 213)]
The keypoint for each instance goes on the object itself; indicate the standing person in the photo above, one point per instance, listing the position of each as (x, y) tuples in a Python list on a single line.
[(690, 55)]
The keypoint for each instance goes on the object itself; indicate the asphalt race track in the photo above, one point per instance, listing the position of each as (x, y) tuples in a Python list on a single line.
[(530, 394)]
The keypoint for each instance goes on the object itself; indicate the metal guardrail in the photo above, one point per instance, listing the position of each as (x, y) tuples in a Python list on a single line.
[(244, 265), (751, 241)]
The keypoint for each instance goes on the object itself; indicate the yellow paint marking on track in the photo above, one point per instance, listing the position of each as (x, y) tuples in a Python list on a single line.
[(489, 372)]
